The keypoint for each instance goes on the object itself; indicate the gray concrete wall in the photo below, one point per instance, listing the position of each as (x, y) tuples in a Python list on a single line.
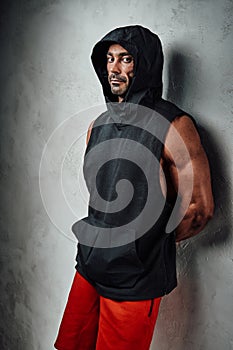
[(46, 77)]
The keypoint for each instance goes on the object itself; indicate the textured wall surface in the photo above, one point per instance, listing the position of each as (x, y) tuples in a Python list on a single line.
[(46, 76)]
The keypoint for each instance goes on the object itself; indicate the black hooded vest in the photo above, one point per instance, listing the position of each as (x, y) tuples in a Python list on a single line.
[(124, 251)]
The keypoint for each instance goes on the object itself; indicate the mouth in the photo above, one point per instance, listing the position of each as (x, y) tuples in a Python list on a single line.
[(116, 81)]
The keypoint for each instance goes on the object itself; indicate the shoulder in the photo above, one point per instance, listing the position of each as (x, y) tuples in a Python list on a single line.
[(91, 125), (98, 121), (182, 128), (186, 126), (89, 130)]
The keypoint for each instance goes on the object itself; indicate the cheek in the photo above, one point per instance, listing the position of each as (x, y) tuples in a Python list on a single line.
[(130, 72), (108, 69)]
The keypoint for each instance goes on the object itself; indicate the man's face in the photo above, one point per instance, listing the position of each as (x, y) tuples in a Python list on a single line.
[(120, 69)]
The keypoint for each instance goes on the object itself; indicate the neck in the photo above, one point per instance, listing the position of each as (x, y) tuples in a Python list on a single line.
[(120, 99)]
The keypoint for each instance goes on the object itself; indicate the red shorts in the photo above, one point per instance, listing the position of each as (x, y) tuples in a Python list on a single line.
[(92, 322)]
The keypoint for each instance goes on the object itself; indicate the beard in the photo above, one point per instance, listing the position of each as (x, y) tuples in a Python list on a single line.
[(119, 90)]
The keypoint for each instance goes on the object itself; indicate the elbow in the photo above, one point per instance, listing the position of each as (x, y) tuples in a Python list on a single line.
[(208, 207), (200, 214), (210, 214), (203, 215), (205, 218), (194, 220), (209, 210)]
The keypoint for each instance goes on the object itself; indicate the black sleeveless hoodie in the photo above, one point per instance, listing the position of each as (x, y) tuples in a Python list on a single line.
[(144, 267)]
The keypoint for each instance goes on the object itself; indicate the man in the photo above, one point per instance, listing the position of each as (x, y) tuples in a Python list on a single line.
[(116, 293)]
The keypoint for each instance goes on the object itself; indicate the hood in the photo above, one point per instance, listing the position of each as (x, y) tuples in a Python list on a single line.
[(146, 48)]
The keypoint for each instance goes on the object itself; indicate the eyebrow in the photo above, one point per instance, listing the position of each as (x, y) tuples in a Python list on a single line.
[(121, 54)]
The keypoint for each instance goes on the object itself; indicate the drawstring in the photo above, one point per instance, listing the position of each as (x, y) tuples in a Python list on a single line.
[(151, 307)]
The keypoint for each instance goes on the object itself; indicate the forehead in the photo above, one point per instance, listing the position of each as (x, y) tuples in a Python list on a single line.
[(116, 49)]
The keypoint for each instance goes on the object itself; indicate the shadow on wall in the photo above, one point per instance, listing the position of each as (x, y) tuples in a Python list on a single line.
[(182, 73), (182, 311)]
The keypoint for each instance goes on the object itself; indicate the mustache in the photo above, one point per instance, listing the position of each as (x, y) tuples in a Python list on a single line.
[(117, 77)]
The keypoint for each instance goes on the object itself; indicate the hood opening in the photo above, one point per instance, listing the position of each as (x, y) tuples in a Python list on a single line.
[(146, 49)]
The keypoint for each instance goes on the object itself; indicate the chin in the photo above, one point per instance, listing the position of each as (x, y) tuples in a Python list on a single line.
[(119, 92)]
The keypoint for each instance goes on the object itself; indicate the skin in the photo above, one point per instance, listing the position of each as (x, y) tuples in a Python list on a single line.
[(193, 169), (120, 70), (201, 207)]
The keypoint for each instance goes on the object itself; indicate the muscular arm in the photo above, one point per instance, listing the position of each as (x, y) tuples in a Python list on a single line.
[(89, 131), (185, 171)]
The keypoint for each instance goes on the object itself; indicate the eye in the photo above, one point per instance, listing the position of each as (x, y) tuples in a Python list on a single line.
[(127, 59), (110, 59)]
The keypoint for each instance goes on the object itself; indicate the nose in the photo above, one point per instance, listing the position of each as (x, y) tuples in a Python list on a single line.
[(115, 67)]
